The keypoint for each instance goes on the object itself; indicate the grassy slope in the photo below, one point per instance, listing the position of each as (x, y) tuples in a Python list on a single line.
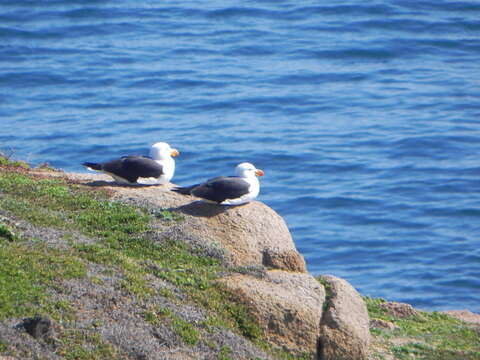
[(30, 268), (428, 335)]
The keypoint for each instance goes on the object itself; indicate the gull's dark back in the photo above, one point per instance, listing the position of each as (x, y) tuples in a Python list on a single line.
[(221, 188), (133, 167)]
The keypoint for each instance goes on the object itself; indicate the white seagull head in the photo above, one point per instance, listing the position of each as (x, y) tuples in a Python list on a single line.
[(162, 151), (247, 170)]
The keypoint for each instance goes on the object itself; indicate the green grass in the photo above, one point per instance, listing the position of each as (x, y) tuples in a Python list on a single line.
[(122, 244), (328, 293), (52, 202), (433, 335), (173, 262), (168, 216), (186, 331), (5, 161), (85, 344), (3, 346), (26, 271), (225, 353), (32, 213)]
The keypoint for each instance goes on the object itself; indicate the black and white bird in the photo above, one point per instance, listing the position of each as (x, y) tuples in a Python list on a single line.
[(158, 168), (228, 190)]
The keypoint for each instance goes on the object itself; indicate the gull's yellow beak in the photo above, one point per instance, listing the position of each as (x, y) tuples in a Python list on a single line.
[(259, 172), (174, 152)]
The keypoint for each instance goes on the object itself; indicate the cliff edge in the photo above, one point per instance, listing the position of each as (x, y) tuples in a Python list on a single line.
[(92, 270)]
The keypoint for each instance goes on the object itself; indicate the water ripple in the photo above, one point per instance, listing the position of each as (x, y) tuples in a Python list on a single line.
[(364, 116)]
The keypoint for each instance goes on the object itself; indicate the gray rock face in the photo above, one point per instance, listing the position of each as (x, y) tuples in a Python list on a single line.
[(344, 328), (288, 306)]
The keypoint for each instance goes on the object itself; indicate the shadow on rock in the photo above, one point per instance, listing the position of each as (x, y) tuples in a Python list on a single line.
[(99, 183), (201, 208)]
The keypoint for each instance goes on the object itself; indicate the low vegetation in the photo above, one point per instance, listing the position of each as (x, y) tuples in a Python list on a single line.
[(116, 238), (427, 335), (5, 160), (30, 268)]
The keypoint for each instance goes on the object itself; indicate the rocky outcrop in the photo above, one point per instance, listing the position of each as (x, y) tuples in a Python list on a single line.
[(249, 235), (287, 306), (398, 310), (344, 328), (290, 305), (324, 320), (464, 315), (382, 324)]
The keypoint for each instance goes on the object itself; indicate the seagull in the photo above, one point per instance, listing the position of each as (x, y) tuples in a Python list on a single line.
[(158, 168), (228, 190)]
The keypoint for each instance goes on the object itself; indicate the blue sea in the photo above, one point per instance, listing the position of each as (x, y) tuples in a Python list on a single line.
[(365, 116)]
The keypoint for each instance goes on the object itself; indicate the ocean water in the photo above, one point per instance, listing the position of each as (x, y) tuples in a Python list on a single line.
[(365, 116)]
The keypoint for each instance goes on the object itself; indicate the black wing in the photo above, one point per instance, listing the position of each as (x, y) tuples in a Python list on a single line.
[(221, 188), (133, 167), (184, 190)]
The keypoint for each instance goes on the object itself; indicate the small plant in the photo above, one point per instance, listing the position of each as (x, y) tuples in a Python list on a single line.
[(150, 317), (167, 293), (5, 160), (6, 233), (84, 344), (224, 353), (187, 332), (167, 215), (3, 346), (328, 293)]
